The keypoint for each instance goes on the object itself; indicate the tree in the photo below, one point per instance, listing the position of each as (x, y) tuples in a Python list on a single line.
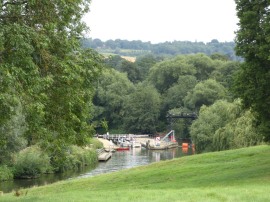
[(12, 127), (204, 65), (222, 126), (40, 57), (145, 62), (253, 44), (210, 119), (174, 96), (114, 61), (133, 73), (204, 93), (225, 72), (165, 74), (142, 110), (112, 90)]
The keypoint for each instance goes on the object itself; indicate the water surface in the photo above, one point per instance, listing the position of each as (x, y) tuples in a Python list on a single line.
[(120, 160)]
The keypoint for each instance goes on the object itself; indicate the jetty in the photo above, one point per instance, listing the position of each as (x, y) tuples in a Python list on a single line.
[(104, 155)]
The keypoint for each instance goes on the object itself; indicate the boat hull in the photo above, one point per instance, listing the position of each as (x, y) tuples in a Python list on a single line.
[(122, 149)]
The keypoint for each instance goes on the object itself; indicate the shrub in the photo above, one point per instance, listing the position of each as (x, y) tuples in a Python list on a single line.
[(76, 158), (5, 173), (30, 163)]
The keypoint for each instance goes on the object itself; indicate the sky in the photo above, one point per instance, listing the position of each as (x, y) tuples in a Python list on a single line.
[(158, 21)]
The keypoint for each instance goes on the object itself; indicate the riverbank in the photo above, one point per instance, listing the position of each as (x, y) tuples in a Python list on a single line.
[(236, 175)]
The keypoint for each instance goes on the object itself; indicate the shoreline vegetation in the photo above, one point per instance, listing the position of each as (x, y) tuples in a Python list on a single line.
[(31, 162), (233, 175)]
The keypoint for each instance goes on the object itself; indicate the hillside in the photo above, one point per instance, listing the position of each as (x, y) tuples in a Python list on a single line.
[(236, 175), (137, 48)]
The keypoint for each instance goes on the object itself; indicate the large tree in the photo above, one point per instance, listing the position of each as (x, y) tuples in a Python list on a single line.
[(222, 126), (112, 90), (204, 93), (165, 74), (142, 110), (44, 70), (253, 44)]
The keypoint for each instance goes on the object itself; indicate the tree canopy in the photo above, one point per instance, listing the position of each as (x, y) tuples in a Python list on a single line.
[(173, 48), (252, 43), (45, 76), (224, 125)]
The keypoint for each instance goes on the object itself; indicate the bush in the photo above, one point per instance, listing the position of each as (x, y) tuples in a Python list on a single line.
[(30, 163), (76, 158), (5, 173)]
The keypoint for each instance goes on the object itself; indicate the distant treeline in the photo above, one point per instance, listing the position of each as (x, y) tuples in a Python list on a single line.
[(137, 47)]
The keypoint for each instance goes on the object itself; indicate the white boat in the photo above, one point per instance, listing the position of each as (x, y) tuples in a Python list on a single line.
[(135, 144), (123, 142)]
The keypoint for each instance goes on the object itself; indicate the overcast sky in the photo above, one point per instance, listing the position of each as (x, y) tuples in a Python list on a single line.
[(162, 20)]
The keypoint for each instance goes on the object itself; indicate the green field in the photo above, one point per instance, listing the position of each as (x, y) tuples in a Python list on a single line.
[(236, 175)]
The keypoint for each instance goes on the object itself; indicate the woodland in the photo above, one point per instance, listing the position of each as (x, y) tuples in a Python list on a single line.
[(167, 49), (56, 93)]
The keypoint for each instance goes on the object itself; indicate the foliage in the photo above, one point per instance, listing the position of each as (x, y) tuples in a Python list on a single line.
[(145, 63), (12, 127), (166, 73), (204, 93), (114, 61), (5, 173), (166, 48), (225, 72), (95, 143), (219, 56), (30, 163), (204, 65), (210, 119), (112, 89), (238, 133), (44, 69), (224, 126), (133, 73), (123, 65), (75, 158), (174, 96), (142, 110), (252, 43), (182, 81), (136, 71)]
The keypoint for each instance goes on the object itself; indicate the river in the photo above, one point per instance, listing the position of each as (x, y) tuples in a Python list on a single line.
[(120, 160)]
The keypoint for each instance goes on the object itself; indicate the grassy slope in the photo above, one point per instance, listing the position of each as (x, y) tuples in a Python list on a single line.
[(237, 175)]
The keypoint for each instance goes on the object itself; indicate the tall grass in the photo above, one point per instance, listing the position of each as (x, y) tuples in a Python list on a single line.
[(76, 158), (236, 175)]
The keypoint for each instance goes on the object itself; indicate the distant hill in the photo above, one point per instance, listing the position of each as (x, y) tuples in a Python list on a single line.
[(137, 47)]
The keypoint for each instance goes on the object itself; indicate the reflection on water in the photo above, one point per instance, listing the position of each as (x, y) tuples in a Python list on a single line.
[(120, 160), (8, 186)]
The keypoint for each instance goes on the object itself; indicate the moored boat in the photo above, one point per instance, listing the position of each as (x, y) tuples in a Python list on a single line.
[(135, 144), (122, 148)]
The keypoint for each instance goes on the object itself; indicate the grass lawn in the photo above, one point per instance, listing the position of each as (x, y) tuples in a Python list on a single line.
[(236, 175)]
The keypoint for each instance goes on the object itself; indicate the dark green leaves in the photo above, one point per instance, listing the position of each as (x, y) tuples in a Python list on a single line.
[(252, 43)]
